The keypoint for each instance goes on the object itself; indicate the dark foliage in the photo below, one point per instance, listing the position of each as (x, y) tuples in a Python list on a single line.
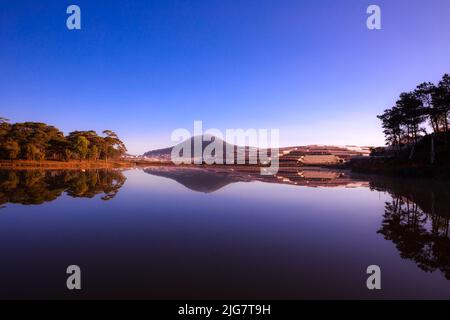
[(39, 141), (403, 122)]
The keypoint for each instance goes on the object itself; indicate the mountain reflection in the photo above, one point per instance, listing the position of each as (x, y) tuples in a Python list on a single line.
[(416, 219), (212, 179), (38, 186)]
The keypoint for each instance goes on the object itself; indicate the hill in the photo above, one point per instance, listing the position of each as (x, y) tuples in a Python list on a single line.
[(166, 153), (288, 156)]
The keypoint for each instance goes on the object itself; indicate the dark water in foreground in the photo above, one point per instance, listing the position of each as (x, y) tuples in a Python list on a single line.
[(188, 233)]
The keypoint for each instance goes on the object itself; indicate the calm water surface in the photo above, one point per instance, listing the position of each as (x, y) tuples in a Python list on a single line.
[(190, 233)]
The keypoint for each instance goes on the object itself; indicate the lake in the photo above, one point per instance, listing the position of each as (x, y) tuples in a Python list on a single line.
[(174, 233)]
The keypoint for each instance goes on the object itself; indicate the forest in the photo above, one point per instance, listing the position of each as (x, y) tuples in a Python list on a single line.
[(403, 124), (417, 133), (39, 141)]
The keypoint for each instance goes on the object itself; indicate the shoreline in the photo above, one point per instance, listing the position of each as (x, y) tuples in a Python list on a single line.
[(117, 164), (370, 166), (384, 166), (50, 164), (113, 164)]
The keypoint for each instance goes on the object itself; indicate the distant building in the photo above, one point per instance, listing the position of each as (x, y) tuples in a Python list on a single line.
[(321, 155), (322, 159)]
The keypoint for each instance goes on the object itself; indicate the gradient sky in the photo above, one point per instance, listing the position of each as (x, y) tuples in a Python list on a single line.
[(144, 68)]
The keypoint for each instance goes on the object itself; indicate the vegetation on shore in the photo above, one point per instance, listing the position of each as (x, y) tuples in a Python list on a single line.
[(412, 150), (403, 122), (71, 164), (36, 141)]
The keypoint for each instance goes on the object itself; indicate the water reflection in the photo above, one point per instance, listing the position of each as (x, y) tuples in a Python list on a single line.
[(32, 187), (214, 179), (415, 216), (416, 220)]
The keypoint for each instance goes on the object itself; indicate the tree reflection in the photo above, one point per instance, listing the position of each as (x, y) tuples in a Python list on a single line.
[(37, 186), (419, 226)]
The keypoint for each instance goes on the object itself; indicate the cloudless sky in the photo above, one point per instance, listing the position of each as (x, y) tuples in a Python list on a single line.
[(144, 68)]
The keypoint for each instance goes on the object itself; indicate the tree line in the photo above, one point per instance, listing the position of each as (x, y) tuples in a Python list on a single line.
[(403, 123), (39, 141)]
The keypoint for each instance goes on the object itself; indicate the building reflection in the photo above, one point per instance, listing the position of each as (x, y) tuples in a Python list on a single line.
[(212, 179), (415, 219)]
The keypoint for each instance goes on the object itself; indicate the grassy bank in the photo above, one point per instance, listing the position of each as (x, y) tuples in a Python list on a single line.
[(74, 164)]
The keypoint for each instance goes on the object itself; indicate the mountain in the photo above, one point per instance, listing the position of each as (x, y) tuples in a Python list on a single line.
[(159, 153), (165, 153), (311, 155)]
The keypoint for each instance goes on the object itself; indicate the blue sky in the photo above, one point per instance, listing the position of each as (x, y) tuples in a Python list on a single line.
[(144, 68)]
